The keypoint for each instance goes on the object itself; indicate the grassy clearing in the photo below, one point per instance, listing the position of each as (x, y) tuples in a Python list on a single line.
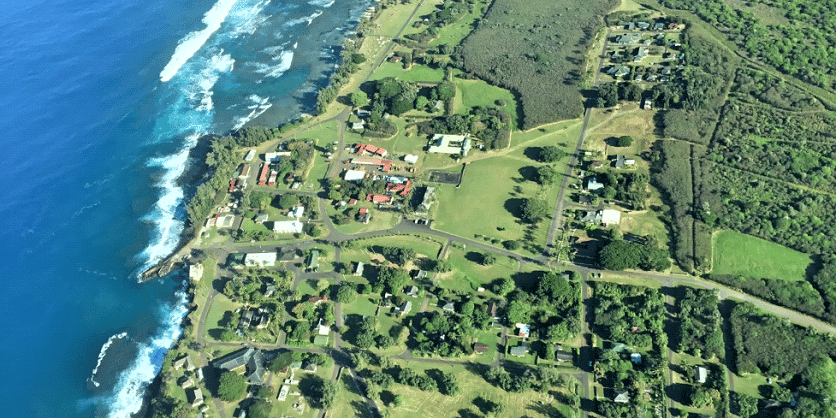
[(741, 254), (415, 73), (453, 34), (418, 403), (508, 177), (468, 268), (646, 223), (558, 131), (426, 246), (477, 93), (220, 306)]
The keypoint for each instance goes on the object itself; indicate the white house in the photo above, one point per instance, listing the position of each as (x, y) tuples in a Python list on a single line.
[(195, 272), (274, 157), (412, 159), (250, 155), (450, 144), (260, 259), (287, 227), (610, 217), (297, 212)]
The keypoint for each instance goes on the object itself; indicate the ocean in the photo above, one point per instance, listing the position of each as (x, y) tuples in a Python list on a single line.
[(101, 101)]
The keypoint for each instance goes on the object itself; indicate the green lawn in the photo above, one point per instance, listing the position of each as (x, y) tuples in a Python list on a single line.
[(418, 403), (745, 255), (220, 306), (479, 93), (426, 246), (468, 270), (415, 73), (454, 33), (487, 206)]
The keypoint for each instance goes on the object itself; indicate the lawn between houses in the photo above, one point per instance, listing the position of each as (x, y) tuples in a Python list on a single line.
[(744, 255), (418, 403)]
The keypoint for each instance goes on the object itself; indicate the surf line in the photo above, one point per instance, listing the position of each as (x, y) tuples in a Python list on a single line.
[(102, 354), (191, 43)]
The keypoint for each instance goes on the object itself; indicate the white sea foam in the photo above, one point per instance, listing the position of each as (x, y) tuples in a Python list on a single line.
[(192, 42), (200, 90), (127, 397), (285, 59), (247, 18), (163, 214), (322, 3), (258, 106), (308, 19), (102, 354)]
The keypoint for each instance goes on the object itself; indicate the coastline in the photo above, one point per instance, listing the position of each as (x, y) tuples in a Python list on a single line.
[(191, 233)]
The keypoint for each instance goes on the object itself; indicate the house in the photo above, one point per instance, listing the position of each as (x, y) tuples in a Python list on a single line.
[(402, 189), (449, 307), (628, 38), (592, 184), (270, 290), (354, 175), (563, 355), (262, 218), (622, 396), (183, 362), (631, 26), (493, 311), (597, 164), (185, 382), (195, 272), (246, 319), (195, 396), (636, 358), (262, 319), (640, 55), (412, 159), (702, 374), (450, 144), (610, 217), (519, 350), (362, 113), (260, 259), (220, 221), (310, 367), (524, 330), (322, 329), (244, 171), (363, 211), (629, 162), (297, 212), (255, 368), (288, 227), (364, 216), (619, 161), (659, 26), (274, 157), (422, 274), (316, 300), (413, 291), (359, 270), (358, 126), (647, 104), (480, 348), (643, 25), (250, 155), (618, 71), (592, 217), (403, 310), (234, 360), (368, 149), (378, 198), (320, 340)]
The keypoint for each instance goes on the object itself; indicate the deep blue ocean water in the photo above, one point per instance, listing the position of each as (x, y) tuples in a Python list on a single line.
[(100, 101)]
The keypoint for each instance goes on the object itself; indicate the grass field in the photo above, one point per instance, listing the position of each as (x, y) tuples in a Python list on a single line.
[(426, 246), (418, 403), (417, 73), (559, 131), (220, 306), (469, 271), (454, 33), (508, 176), (745, 255), (479, 93)]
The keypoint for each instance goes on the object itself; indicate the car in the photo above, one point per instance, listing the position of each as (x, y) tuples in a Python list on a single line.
[(590, 363)]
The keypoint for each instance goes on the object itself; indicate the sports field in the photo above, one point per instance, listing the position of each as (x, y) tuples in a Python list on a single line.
[(745, 255)]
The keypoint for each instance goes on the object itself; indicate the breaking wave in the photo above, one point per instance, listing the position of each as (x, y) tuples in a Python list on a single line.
[(189, 45), (285, 59), (322, 3), (127, 397), (259, 105), (102, 354)]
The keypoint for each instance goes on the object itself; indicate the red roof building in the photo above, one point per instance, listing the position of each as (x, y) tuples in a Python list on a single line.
[(352, 202), (364, 211), (265, 171), (317, 300), (232, 185), (361, 149), (402, 189), (378, 198), (480, 348), (384, 165)]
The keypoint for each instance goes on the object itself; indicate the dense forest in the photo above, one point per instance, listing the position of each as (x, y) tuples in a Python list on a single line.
[(536, 49), (799, 42), (699, 320)]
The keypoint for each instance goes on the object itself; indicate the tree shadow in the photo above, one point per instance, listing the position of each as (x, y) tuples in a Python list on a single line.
[(533, 152), (466, 413), (387, 397), (679, 392), (514, 207), (474, 257), (528, 173), (545, 409), (311, 388)]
